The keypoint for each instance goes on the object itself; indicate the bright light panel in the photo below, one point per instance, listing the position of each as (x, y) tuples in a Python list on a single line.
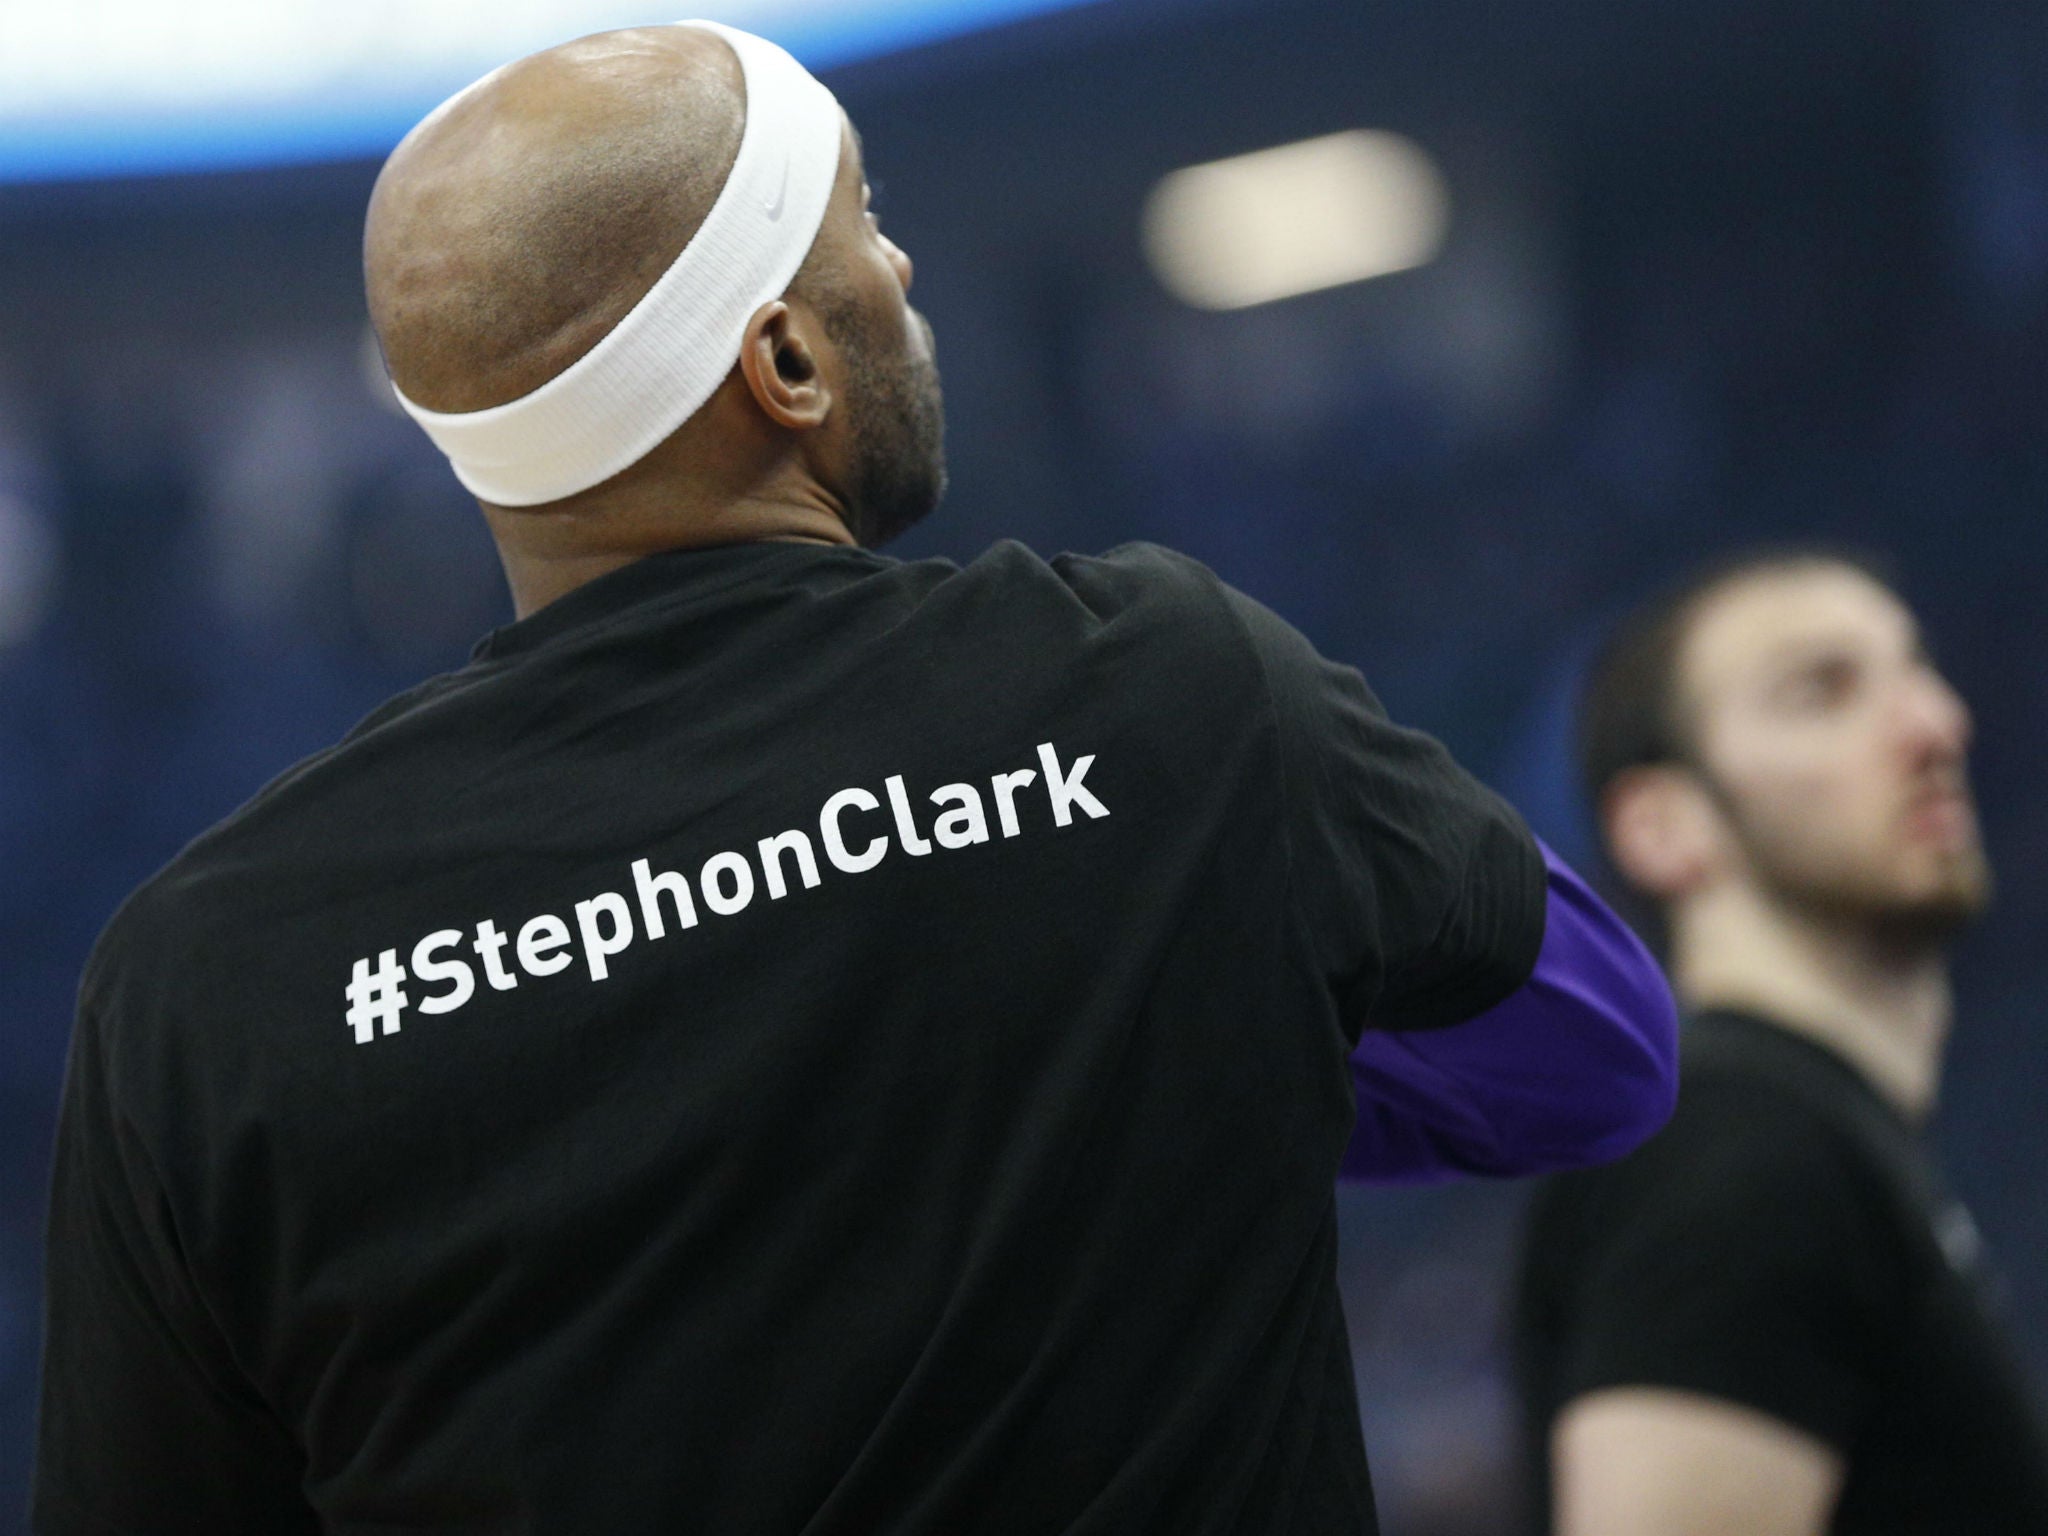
[(98, 87), (1295, 219)]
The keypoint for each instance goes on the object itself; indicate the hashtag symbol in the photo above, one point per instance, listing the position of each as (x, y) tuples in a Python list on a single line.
[(374, 997)]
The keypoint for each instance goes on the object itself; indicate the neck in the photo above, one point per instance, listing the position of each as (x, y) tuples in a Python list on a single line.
[(1881, 1004), (550, 551)]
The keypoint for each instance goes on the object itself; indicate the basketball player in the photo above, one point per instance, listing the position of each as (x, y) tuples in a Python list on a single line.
[(786, 1040), (1769, 1320)]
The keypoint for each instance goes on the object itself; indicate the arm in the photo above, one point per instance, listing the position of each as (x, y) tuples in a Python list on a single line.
[(1641, 1461), (1510, 1022), (1707, 1326), (1577, 1066)]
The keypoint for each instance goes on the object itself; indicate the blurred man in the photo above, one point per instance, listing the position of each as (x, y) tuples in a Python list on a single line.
[(787, 1040), (1767, 1321)]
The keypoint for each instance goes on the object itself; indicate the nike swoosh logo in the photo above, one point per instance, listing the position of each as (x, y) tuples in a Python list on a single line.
[(775, 204)]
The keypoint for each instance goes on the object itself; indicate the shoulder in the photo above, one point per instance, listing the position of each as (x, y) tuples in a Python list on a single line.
[(1748, 1252), (1153, 589), (1137, 609), (1755, 1100), (202, 907), (1734, 1117), (1749, 1153), (1142, 573), (1132, 582)]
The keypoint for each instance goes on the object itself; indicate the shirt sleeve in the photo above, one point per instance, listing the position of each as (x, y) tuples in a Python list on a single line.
[(1420, 891), (1578, 1066), (1743, 1259), (146, 1424)]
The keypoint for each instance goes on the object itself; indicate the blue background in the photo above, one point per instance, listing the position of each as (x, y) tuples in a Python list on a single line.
[(1718, 272)]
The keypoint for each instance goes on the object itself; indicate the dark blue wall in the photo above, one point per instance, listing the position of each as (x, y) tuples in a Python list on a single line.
[(1719, 272)]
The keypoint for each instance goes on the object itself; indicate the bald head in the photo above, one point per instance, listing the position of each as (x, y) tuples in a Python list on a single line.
[(516, 226), (525, 221)]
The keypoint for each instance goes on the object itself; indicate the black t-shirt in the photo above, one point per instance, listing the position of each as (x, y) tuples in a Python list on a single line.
[(787, 1040), (1784, 1244)]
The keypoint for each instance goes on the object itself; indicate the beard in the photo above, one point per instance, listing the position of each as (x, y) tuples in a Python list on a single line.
[(897, 419), (1867, 887)]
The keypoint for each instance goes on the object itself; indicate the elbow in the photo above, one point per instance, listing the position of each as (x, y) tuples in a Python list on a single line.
[(1640, 1104), (1556, 1077), (1627, 1041), (1578, 1066), (1628, 1083)]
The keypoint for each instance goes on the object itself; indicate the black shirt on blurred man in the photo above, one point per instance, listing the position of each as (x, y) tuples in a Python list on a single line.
[(1771, 1319)]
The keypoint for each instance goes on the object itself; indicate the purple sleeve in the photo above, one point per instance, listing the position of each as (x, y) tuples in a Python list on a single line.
[(1578, 1066)]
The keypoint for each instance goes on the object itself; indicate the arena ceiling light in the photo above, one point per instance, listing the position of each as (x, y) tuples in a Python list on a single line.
[(1296, 219), (125, 87)]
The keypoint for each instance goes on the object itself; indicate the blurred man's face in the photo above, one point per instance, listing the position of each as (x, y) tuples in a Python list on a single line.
[(1836, 750)]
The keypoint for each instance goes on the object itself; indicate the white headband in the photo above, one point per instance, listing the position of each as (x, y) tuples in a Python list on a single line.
[(657, 366)]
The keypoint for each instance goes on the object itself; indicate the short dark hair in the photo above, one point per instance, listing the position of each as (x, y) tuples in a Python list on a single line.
[(1630, 712)]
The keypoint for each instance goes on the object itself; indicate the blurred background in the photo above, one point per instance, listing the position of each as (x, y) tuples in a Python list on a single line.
[(1595, 289)]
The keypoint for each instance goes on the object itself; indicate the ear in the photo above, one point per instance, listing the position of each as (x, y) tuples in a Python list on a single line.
[(1663, 831), (779, 360)]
